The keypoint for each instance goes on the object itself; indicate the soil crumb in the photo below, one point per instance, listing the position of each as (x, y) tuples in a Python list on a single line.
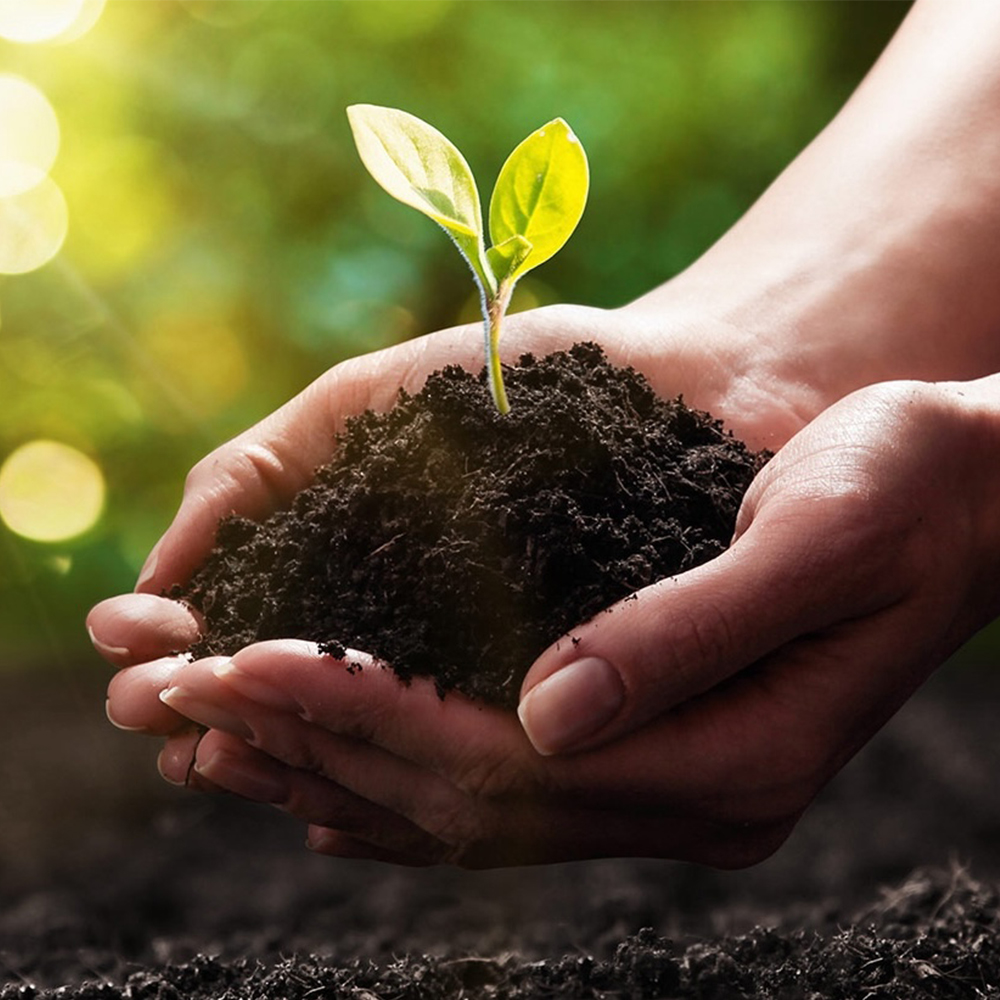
[(453, 542)]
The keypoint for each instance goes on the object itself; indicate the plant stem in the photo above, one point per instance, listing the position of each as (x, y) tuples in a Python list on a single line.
[(496, 307)]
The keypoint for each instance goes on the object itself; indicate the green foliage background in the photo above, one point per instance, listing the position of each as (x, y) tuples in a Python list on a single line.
[(226, 245)]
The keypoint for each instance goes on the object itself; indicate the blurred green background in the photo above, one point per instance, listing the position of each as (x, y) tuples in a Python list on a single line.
[(188, 237)]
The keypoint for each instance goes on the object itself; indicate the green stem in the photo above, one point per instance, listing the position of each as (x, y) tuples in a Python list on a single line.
[(496, 307)]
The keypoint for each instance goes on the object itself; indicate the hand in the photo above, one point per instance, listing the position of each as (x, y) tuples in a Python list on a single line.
[(263, 468), (751, 679), (858, 566)]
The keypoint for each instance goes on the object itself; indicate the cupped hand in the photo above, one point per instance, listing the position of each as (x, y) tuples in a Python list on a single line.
[(864, 555), (261, 470)]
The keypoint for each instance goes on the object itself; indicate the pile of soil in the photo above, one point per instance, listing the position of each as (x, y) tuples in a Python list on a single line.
[(451, 541)]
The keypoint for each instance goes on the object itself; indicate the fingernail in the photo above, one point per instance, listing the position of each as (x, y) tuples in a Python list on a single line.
[(571, 705), (148, 568), (114, 722), (319, 839), (175, 761), (181, 700), (107, 651), (163, 766), (242, 778)]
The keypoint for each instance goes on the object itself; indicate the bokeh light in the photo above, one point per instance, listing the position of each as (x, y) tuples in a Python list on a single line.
[(90, 11), (33, 227), (50, 492), (37, 20), (29, 135)]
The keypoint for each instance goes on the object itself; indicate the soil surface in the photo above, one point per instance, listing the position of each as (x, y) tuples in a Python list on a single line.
[(113, 885), (454, 542)]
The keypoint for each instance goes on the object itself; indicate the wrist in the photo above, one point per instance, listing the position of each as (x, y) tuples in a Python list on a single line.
[(873, 256)]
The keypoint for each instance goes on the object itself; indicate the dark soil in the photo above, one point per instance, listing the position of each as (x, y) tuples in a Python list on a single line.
[(450, 541), (936, 935)]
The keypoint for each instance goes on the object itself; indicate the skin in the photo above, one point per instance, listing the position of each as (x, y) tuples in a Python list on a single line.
[(849, 321)]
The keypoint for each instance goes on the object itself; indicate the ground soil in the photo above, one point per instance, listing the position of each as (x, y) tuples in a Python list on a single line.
[(452, 541)]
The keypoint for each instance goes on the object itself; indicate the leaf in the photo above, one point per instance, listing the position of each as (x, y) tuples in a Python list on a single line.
[(417, 165), (540, 195), (420, 167)]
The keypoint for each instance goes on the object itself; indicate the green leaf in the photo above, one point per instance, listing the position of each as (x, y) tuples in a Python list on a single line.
[(540, 195), (421, 168)]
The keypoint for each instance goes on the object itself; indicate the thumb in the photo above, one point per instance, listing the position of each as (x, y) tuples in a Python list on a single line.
[(684, 635)]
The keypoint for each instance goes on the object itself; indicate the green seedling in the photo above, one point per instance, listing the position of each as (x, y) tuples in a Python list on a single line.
[(537, 202)]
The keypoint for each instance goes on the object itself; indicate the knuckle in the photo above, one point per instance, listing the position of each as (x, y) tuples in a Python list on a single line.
[(480, 821), (202, 472), (454, 825), (261, 463), (240, 465), (700, 639), (292, 747), (372, 716)]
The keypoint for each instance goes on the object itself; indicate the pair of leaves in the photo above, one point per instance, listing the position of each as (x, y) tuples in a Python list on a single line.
[(537, 202)]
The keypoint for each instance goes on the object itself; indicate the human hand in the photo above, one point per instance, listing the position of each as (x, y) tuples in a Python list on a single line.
[(839, 277), (263, 468), (858, 566)]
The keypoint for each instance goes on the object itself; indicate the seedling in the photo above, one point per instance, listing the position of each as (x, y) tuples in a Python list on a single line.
[(536, 204)]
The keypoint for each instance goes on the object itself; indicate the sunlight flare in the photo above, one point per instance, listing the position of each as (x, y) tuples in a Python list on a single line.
[(33, 227), (29, 135), (50, 492), (32, 21)]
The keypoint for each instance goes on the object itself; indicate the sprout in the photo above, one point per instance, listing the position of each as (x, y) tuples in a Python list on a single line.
[(537, 202)]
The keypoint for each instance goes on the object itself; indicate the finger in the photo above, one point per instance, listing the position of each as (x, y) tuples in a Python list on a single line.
[(176, 760), (758, 747), (137, 628), (359, 698), (452, 773), (682, 636), (398, 785), (401, 813), (134, 697), (459, 769), (395, 743), (230, 763)]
